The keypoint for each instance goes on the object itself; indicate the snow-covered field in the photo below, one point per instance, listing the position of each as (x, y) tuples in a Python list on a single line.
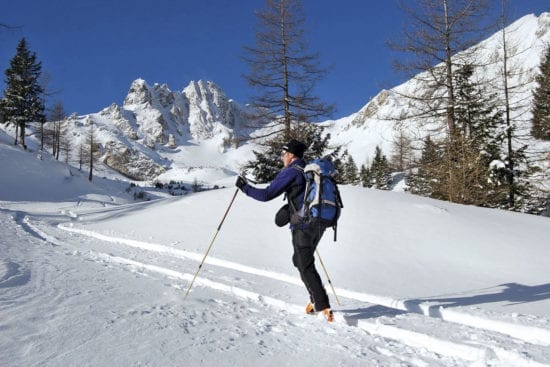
[(89, 277)]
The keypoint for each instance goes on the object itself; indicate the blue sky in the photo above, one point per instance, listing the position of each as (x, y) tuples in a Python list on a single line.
[(93, 50)]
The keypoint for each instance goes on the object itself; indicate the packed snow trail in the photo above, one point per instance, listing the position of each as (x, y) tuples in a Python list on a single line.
[(467, 343), (88, 308), (529, 334)]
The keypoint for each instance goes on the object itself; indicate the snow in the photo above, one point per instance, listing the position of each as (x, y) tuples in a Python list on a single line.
[(379, 122), (88, 276)]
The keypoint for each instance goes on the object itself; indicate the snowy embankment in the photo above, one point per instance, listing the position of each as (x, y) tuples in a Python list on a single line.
[(89, 277)]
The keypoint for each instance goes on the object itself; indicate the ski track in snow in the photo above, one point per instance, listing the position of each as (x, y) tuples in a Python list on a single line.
[(530, 343), (527, 333)]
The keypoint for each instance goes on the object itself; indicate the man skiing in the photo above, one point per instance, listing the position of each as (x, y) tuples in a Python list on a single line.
[(305, 237)]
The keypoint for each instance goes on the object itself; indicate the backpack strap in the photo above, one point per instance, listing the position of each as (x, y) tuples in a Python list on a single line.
[(292, 194)]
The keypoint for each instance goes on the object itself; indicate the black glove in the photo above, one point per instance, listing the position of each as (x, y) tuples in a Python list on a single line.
[(241, 181)]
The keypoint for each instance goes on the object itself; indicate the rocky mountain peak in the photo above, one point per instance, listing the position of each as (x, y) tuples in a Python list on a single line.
[(139, 93)]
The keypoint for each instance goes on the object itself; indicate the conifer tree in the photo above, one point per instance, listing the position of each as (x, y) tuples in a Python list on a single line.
[(439, 39), (283, 70), (380, 170), (480, 134), (402, 151), (541, 101), (283, 73), (350, 175), (23, 97), (426, 178), (267, 163), (365, 176)]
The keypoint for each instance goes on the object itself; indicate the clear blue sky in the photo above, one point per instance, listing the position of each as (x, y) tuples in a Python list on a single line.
[(93, 50)]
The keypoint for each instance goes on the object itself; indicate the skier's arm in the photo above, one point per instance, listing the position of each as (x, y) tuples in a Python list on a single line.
[(279, 185)]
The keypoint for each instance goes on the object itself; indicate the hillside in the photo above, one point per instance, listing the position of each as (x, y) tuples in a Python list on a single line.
[(163, 134), (90, 277)]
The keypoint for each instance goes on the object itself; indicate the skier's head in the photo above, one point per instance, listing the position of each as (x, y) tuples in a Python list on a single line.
[(292, 151), (295, 147)]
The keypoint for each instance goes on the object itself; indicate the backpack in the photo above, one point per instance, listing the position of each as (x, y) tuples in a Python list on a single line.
[(322, 200)]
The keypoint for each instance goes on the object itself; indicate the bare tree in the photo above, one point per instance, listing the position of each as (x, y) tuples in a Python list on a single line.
[(438, 40), (514, 83), (438, 35), (91, 150), (65, 142), (402, 151), (282, 69), (52, 130)]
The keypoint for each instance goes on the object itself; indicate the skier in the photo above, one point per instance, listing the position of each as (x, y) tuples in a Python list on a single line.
[(305, 237)]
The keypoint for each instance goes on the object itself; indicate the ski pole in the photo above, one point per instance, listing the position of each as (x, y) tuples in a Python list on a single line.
[(211, 243), (328, 277)]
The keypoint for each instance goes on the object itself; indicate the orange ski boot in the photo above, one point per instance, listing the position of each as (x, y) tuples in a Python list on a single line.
[(327, 312)]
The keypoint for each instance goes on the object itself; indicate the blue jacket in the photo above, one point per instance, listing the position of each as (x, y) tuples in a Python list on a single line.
[(290, 181)]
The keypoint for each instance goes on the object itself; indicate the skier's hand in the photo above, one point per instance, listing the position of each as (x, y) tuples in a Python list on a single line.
[(241, 181)]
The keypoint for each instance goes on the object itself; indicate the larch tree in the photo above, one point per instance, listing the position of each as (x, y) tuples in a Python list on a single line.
[(439, 38), (283, 71)]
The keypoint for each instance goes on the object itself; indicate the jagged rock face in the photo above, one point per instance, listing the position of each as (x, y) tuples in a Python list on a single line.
[(201, 111), (123, 120), (154, 115), (139, 93), (130, 162), (208, 106), (371, 109)]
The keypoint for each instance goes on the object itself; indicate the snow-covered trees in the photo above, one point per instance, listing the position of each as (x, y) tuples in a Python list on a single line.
[(541, 101)]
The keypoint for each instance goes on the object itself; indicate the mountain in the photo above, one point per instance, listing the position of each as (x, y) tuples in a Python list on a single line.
[(199, 112), (90, 276), (159, 134), (153, 120), (375, 123)]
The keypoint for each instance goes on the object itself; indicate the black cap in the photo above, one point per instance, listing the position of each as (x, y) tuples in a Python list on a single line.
[(295, 147)]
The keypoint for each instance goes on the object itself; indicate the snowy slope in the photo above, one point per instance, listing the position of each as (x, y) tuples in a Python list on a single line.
[(420, 282), (90, 277), (376, 123)]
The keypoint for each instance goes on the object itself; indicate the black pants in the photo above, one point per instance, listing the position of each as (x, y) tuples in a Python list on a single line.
[(305, 242)]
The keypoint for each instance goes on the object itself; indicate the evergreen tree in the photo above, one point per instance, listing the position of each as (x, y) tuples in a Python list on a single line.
[(541, 101), (350, 175), (380, 171), (23, 97), (477, 145), (267, 163), (2, 116), (426, 178), (439, 39), (365, 176)]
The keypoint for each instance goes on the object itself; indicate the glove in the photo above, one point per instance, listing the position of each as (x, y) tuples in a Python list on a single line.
[(241, 181)]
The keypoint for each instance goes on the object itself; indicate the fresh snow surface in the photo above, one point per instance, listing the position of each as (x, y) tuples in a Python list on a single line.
[(90, 277)]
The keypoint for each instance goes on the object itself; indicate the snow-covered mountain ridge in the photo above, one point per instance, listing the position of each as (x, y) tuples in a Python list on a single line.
[(373, 124), (154, 120), (161, 134)]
